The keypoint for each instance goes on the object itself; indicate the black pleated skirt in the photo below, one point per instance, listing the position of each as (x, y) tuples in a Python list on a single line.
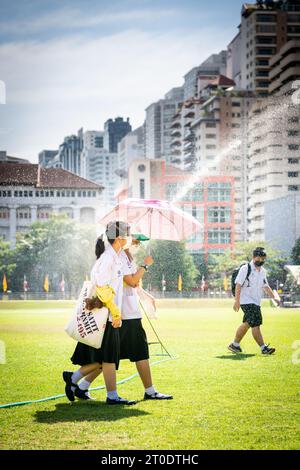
[(133, 341), (109, 351)]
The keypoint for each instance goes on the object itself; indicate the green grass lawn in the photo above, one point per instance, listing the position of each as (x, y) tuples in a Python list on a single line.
[(221, 401)]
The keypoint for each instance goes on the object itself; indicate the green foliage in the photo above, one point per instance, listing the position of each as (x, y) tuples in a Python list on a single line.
[(58, 247), (170, 260), (7, 265), (296, 252)]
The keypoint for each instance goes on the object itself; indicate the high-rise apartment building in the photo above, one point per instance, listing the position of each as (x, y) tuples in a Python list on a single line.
[(158, 124), (265, 27), (114, 131)]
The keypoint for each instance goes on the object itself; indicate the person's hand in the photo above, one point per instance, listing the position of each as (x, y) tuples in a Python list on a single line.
[(236, 306), (117, 323), (278, 302), (148, 260)]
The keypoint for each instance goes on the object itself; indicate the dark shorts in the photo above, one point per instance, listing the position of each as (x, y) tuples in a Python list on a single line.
[(252, 315), (133, 341), (109, 351)]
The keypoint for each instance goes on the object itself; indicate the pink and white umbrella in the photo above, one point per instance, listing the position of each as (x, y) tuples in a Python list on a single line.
[(159, 220)]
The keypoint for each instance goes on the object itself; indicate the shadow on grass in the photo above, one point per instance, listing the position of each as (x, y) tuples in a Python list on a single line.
[(91, 411), (236, 357)]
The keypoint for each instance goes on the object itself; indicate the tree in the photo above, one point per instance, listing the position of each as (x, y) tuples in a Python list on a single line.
[(57, 247), (224, 264), (7, 265), (170, 260), (296, 252)]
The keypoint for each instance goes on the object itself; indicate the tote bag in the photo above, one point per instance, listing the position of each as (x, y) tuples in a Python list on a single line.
[(85, 326)]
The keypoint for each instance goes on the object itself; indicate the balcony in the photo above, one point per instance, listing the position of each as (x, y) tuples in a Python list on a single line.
[(176, 142), (176, 124), (176, 133)]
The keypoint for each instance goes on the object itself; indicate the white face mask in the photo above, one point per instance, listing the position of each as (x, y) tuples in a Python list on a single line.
[(128, 243)]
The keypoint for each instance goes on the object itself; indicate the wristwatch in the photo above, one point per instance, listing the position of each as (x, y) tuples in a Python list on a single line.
[(145, 266)]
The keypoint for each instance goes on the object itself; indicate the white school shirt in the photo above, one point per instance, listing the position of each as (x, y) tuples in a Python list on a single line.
[(108, 270), (130, 304), (252, 293)]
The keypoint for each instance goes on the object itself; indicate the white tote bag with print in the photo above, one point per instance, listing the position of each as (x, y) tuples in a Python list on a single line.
[(85, 326)]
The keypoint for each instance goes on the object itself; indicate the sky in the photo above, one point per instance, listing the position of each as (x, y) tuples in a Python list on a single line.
[(68, 64)]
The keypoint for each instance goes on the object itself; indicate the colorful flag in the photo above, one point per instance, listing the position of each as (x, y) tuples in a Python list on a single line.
[(180, 283), (46, 283), (4, 283), (25, 284), (225, 283), (62, 284)]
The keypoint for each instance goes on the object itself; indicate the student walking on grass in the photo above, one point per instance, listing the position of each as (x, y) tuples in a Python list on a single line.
[(251, 282), (107, 275), (133, 339)]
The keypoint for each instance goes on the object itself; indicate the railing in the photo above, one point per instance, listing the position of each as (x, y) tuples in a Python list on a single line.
[(210, 294)]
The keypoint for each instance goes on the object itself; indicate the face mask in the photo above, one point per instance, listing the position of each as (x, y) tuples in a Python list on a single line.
[(128, 243), (259, 263)]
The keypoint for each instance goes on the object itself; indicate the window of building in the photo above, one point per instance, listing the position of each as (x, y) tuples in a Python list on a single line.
[(57, 193), (293, 133), (293, 161), (171, 191), (293, 174), (4, 213), (79, 193), (219, 214), (219, 192), (142, 188), (293, 188), (294, 147), (219, 236)]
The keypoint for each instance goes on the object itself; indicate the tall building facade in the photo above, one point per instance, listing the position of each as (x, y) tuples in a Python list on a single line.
[(210, 199), (130, 148), (274, 154), (265, 27), (216, 64), (68, 156), (158, 124), (114, 131), (46, 157), (99, 165)]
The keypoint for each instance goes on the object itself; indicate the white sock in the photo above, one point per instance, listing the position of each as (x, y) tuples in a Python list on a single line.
[(150, 390), (84, 385), (236, 344), (76, 376), (113, 395), (262, 346)]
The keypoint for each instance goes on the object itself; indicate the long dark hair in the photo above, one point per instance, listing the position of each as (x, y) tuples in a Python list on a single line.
[(113, 230)]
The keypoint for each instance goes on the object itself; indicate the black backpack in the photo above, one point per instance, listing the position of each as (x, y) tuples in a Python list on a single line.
[(235, 274)]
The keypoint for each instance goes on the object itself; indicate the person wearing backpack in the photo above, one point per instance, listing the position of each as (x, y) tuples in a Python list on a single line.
[(249, 284)]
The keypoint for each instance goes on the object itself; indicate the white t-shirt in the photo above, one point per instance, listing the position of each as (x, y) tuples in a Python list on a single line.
[(108, 270), (252, 291), (130, 305)]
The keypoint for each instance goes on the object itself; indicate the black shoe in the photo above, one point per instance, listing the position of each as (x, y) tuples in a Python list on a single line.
[(120, 401), (157, 396), (234, 349), (67, 376), (268, 351), (83, 394)]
